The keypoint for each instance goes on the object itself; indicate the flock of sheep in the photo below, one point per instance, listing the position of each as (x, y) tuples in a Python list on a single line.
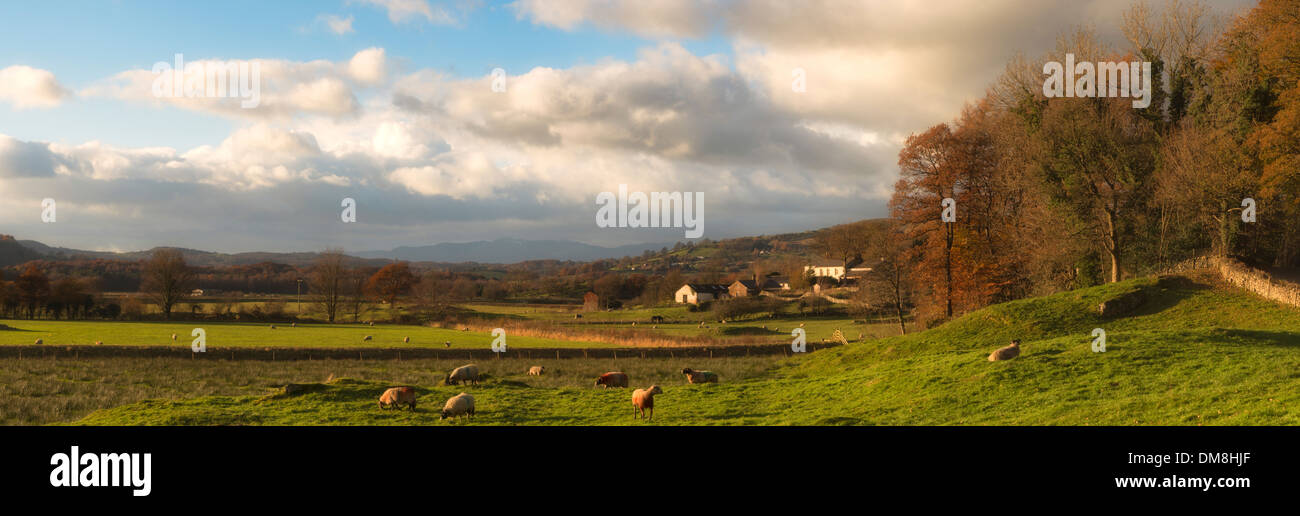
[(463, 404)]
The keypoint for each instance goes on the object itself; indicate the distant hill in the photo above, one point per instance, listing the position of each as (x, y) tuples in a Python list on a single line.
[(510, 250)]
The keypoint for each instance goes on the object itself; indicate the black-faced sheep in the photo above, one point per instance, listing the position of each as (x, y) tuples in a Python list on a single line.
[(643, 400), (693, 376), (459, 405), (463, 374), (367, 338), (406, 340), (398, 396), (612, 379), (1006, 353), (39, 342)]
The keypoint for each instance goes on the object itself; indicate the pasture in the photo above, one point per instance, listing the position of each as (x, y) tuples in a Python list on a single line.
[(260, 335), (1195, 352)]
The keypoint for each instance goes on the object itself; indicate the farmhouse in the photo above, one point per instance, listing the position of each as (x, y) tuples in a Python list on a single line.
[(590, 302), (696, 293), (831, 268)]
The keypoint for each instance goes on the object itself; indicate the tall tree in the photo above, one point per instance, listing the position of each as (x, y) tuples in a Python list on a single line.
[(328, 281), (166, 278), (390, 282)]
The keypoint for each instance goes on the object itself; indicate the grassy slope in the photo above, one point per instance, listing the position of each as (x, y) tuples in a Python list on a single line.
[(1191, 355), (219, 335)]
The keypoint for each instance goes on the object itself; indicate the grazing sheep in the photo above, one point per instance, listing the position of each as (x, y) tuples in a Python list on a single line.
[(644, 399), (466, 373), (612, 379), (173, 336), (367, 337), (295, 325), (99, 343), (372, 323), (1006, 353), (39, 342), (446, 344), (406, 340), (459, 405), (398, 396), (536, 370), (693, 376), (272, 326)]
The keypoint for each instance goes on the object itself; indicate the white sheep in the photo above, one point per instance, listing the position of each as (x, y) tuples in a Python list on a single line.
[(406, 340), (173, 336), (39, 342), (644, 399), (464, 374), (1007, 352), (459, 405), (368, 337)]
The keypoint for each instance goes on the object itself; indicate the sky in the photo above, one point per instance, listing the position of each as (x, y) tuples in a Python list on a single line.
[(786, 116)]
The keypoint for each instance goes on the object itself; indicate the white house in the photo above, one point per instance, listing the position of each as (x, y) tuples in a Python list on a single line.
[(832, 268), (696, 293)]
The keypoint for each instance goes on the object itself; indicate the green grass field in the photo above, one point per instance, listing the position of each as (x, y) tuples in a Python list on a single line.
[(259, 335), (1194, 353)]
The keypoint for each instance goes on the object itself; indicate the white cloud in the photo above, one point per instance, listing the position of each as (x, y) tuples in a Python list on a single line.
[(27, 87), (659, 18), (337, 24), (286, 88), (400, 11)]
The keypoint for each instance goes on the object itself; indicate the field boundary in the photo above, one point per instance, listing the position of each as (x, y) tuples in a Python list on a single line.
[(1245, 277), (291, 354)]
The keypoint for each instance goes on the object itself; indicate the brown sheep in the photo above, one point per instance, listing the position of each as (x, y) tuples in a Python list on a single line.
[(1006, 353), (536, 370), (398, 396), (693, 376), (612, 379), (644, 399)]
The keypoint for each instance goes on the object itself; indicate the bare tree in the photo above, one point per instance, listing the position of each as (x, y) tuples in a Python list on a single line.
[(166, 278), (329, 281)]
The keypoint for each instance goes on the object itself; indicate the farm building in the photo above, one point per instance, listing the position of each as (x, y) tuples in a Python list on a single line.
[(743, 288), (696, 293), (590, 302)]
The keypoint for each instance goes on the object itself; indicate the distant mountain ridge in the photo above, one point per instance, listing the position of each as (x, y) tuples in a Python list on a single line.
[(500, 251), (510, 250)]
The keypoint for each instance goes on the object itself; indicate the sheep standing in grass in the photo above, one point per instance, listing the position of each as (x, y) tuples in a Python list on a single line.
[(406, 340), (367, 338), (612, 379), (693, 376), (272, 326), (643, 400), (173, 336), (463, 374), (398, 396), (39, 342), (99, 343), (446, 344), (459, 405), (536, 370), (1006, 353)]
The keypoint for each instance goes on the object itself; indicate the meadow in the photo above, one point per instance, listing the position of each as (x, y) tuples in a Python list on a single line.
[(1195, 352), (260, 335)]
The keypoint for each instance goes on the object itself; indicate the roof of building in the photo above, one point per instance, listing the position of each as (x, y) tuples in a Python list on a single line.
[(709, 288)]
